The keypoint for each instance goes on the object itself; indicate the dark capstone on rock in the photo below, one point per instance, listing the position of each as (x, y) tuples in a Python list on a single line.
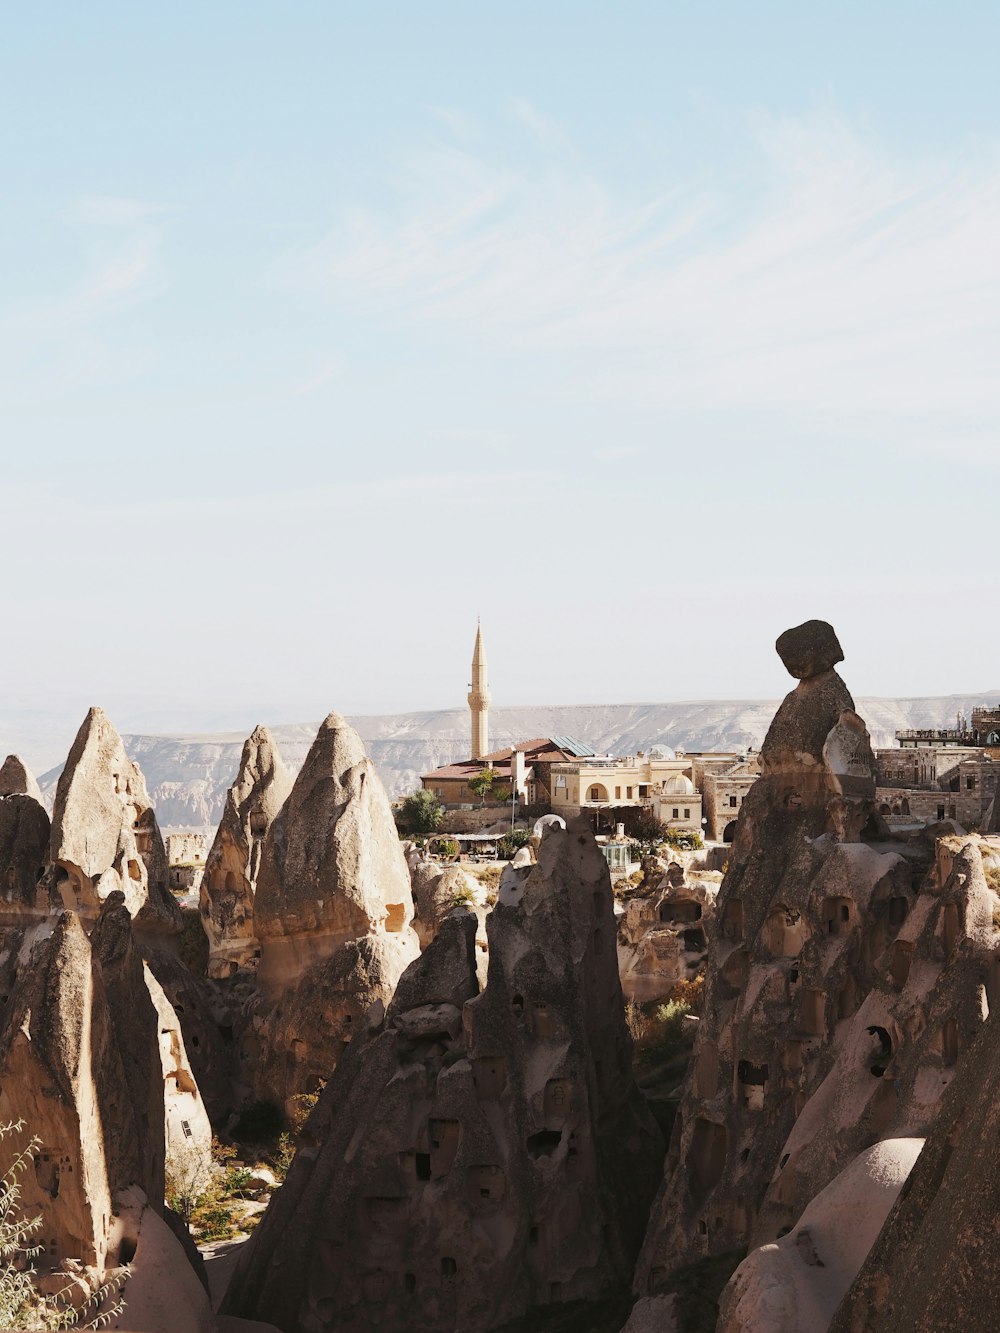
[(809, 649)]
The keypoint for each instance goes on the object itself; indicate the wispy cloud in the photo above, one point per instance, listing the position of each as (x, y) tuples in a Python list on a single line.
[(62, 340), (843, 284), (547, 132), (104, 210), (328, 372)]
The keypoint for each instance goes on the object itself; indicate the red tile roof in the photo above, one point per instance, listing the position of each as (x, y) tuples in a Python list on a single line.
[(540, 749)]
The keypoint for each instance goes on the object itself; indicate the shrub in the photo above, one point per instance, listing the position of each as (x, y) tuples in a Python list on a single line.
[(690, 992), (512, 842), (661, 1036), (419, 813), (302, 1106), (688, 840), (446, 847), (464, 896), (992, 873), (188, 1179), (216, 1219), (283, 1156), (488, 875), (20, 1304)]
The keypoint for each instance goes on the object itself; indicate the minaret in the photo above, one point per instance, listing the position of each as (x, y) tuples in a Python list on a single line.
[(479, 698)]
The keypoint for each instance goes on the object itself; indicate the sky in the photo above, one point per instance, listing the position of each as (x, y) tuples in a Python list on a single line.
[(642, 330)]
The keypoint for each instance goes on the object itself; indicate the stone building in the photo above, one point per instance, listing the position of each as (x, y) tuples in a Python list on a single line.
[(525, 770), (937, 782), (724, 789), (982, 730), (185, 859), (663, 781)]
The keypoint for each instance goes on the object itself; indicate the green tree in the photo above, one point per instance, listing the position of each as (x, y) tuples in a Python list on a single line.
[(482, 784), (647, 830), (420, 813)]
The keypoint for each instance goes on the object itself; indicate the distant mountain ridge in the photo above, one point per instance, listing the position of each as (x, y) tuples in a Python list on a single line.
[(188, 776)]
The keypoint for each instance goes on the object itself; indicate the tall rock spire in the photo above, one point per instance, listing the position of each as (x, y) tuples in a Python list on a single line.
[(479, 698)]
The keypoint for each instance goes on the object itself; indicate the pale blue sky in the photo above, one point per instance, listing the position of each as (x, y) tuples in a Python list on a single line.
[(644, 330)]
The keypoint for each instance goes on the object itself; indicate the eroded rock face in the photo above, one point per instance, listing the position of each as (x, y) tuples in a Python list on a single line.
[(332, 911), (206, 1051), (797, 1283), (474, 1154), (17, 779), (105, 836), (804, 915), (438, 889), (938, 975), (663, 935), (137, 1025), (935, 1267), (187, 1128), (75, 1057), (24, 846), (229, 883)]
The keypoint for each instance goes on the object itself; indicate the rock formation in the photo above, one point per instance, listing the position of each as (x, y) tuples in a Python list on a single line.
[(332, 912), (105, 836), (205, 1049), (797, 1284), (162, 1292), (474, 1154), (229, 883), (936, 982), (437, 890), (804, 915), (663, 933), (187, 1127), (17, 779), (935, 1267), (78, 1061), (24, 846), (137, 1024)]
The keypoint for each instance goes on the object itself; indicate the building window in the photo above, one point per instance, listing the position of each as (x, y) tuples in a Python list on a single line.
[(618, 793), (187, 1129), (940, 814), (687, 814), (628, 793), (970, 784), (676, 814), (595, 793), (732, 802)]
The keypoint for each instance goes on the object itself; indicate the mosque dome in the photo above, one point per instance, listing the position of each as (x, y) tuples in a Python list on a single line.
[(662, 752), (678, 785)]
